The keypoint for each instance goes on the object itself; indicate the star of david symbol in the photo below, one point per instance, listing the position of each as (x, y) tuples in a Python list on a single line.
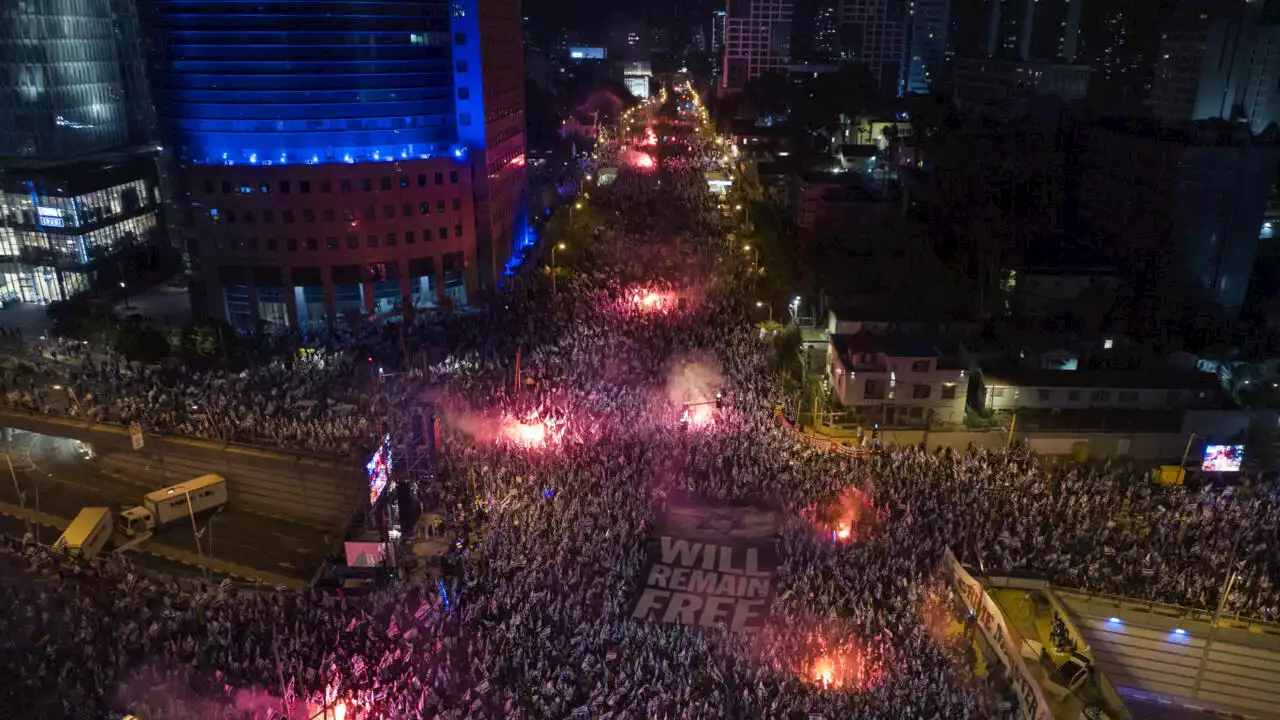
[(723, 521)]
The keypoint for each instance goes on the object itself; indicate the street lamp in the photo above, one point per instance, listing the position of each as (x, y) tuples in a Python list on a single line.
[(577, 205), (760, 304), (557, 246)]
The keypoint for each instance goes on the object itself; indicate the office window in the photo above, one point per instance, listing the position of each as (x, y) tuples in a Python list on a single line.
[(424, 208), (948, 392), (292, 244), (391, 239), (226, 187), (312, 245), (404, 181), (406, 210), (453, 177), (1101, 396), (353, 242), (439, 178), (308, 216), (326, 186), (462, 66), (873, 390), (386, 183), (231, 216), (366, 184), (920, 366), (464, 92), (457, 203), (440, 206), (1128, 396), (331, 243), (422, 179), (284, 187), (1045, 394), (304, 187), (248, 216), (268, 216), (388, 211), (459, 38), (264, 188), (409, 237), (208, 187), (273, 244), (457, 231), (442, 232), (371, 241), (328, 215), (920, 392), (345, 185)]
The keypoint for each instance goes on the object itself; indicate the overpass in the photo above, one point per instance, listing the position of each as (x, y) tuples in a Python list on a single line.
[(1181, 656), (303, 488)]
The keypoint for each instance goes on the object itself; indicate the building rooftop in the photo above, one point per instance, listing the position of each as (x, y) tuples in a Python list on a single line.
[(891, 344), (1153, 379)]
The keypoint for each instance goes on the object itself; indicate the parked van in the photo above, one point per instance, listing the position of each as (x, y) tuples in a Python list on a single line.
[(166, 505), (88, 533)]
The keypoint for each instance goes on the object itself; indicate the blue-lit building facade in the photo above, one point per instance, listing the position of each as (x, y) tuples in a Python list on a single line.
[(339, 157), (927, 48), (80, 185)]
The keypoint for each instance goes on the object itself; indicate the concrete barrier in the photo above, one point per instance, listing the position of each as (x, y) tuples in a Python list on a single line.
[(306, 489)]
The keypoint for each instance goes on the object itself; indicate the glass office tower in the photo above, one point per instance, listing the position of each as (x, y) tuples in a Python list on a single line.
[(79, 183)]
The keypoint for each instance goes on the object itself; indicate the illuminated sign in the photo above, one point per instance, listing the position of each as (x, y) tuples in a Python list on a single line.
[(378, 469), (587, 53), (50, 217)]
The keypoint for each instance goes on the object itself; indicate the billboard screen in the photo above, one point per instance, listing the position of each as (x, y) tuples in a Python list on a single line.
[(1222, 458), (379, 469)]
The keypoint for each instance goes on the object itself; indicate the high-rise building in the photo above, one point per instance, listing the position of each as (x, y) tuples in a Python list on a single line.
[(717, 33), (80, 188), (1203, 60), (826, 33), (1260, 98), (875, 33), (928, 49), (344, 158), (757, 37), (1046, 30), (1194, 194)]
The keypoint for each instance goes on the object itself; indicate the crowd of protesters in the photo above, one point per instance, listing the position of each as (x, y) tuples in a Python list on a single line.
[(619, 378)]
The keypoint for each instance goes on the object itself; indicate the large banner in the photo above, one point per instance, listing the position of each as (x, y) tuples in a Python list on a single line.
[(1031, 699), (710, 566)]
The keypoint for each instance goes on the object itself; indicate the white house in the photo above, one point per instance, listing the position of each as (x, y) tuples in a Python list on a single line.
[(896, 380), (1032, 388)]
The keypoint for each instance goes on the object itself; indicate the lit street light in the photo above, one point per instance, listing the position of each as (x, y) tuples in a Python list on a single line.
[(761, 304), (557, 246)]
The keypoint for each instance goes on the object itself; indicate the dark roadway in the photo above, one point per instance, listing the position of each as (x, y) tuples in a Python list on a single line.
[(67, 481)]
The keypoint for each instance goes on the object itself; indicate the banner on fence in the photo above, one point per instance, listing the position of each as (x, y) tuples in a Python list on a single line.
[(1031, 698)]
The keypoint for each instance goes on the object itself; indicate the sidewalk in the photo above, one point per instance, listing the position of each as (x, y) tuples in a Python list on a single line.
[(166, 552)]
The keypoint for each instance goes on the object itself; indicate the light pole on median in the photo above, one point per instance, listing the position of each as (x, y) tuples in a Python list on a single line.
[(557, 246), (770, 306)]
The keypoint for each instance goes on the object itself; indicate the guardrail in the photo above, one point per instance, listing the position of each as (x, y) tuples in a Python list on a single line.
[(111, 426), (857, 453)]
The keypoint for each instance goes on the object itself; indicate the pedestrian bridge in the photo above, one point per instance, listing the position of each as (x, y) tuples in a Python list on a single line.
[(303, 488)]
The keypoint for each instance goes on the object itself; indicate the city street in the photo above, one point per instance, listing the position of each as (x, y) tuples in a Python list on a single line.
[(56, 476)]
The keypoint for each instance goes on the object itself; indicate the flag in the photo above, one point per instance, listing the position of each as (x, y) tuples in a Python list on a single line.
[(483, 687)]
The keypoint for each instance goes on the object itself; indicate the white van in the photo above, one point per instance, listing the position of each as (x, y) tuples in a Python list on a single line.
[(174, 503), (88, 533)]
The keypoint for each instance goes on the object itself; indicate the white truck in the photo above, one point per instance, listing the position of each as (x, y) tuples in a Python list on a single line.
[(87, 534), (175, 502)]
